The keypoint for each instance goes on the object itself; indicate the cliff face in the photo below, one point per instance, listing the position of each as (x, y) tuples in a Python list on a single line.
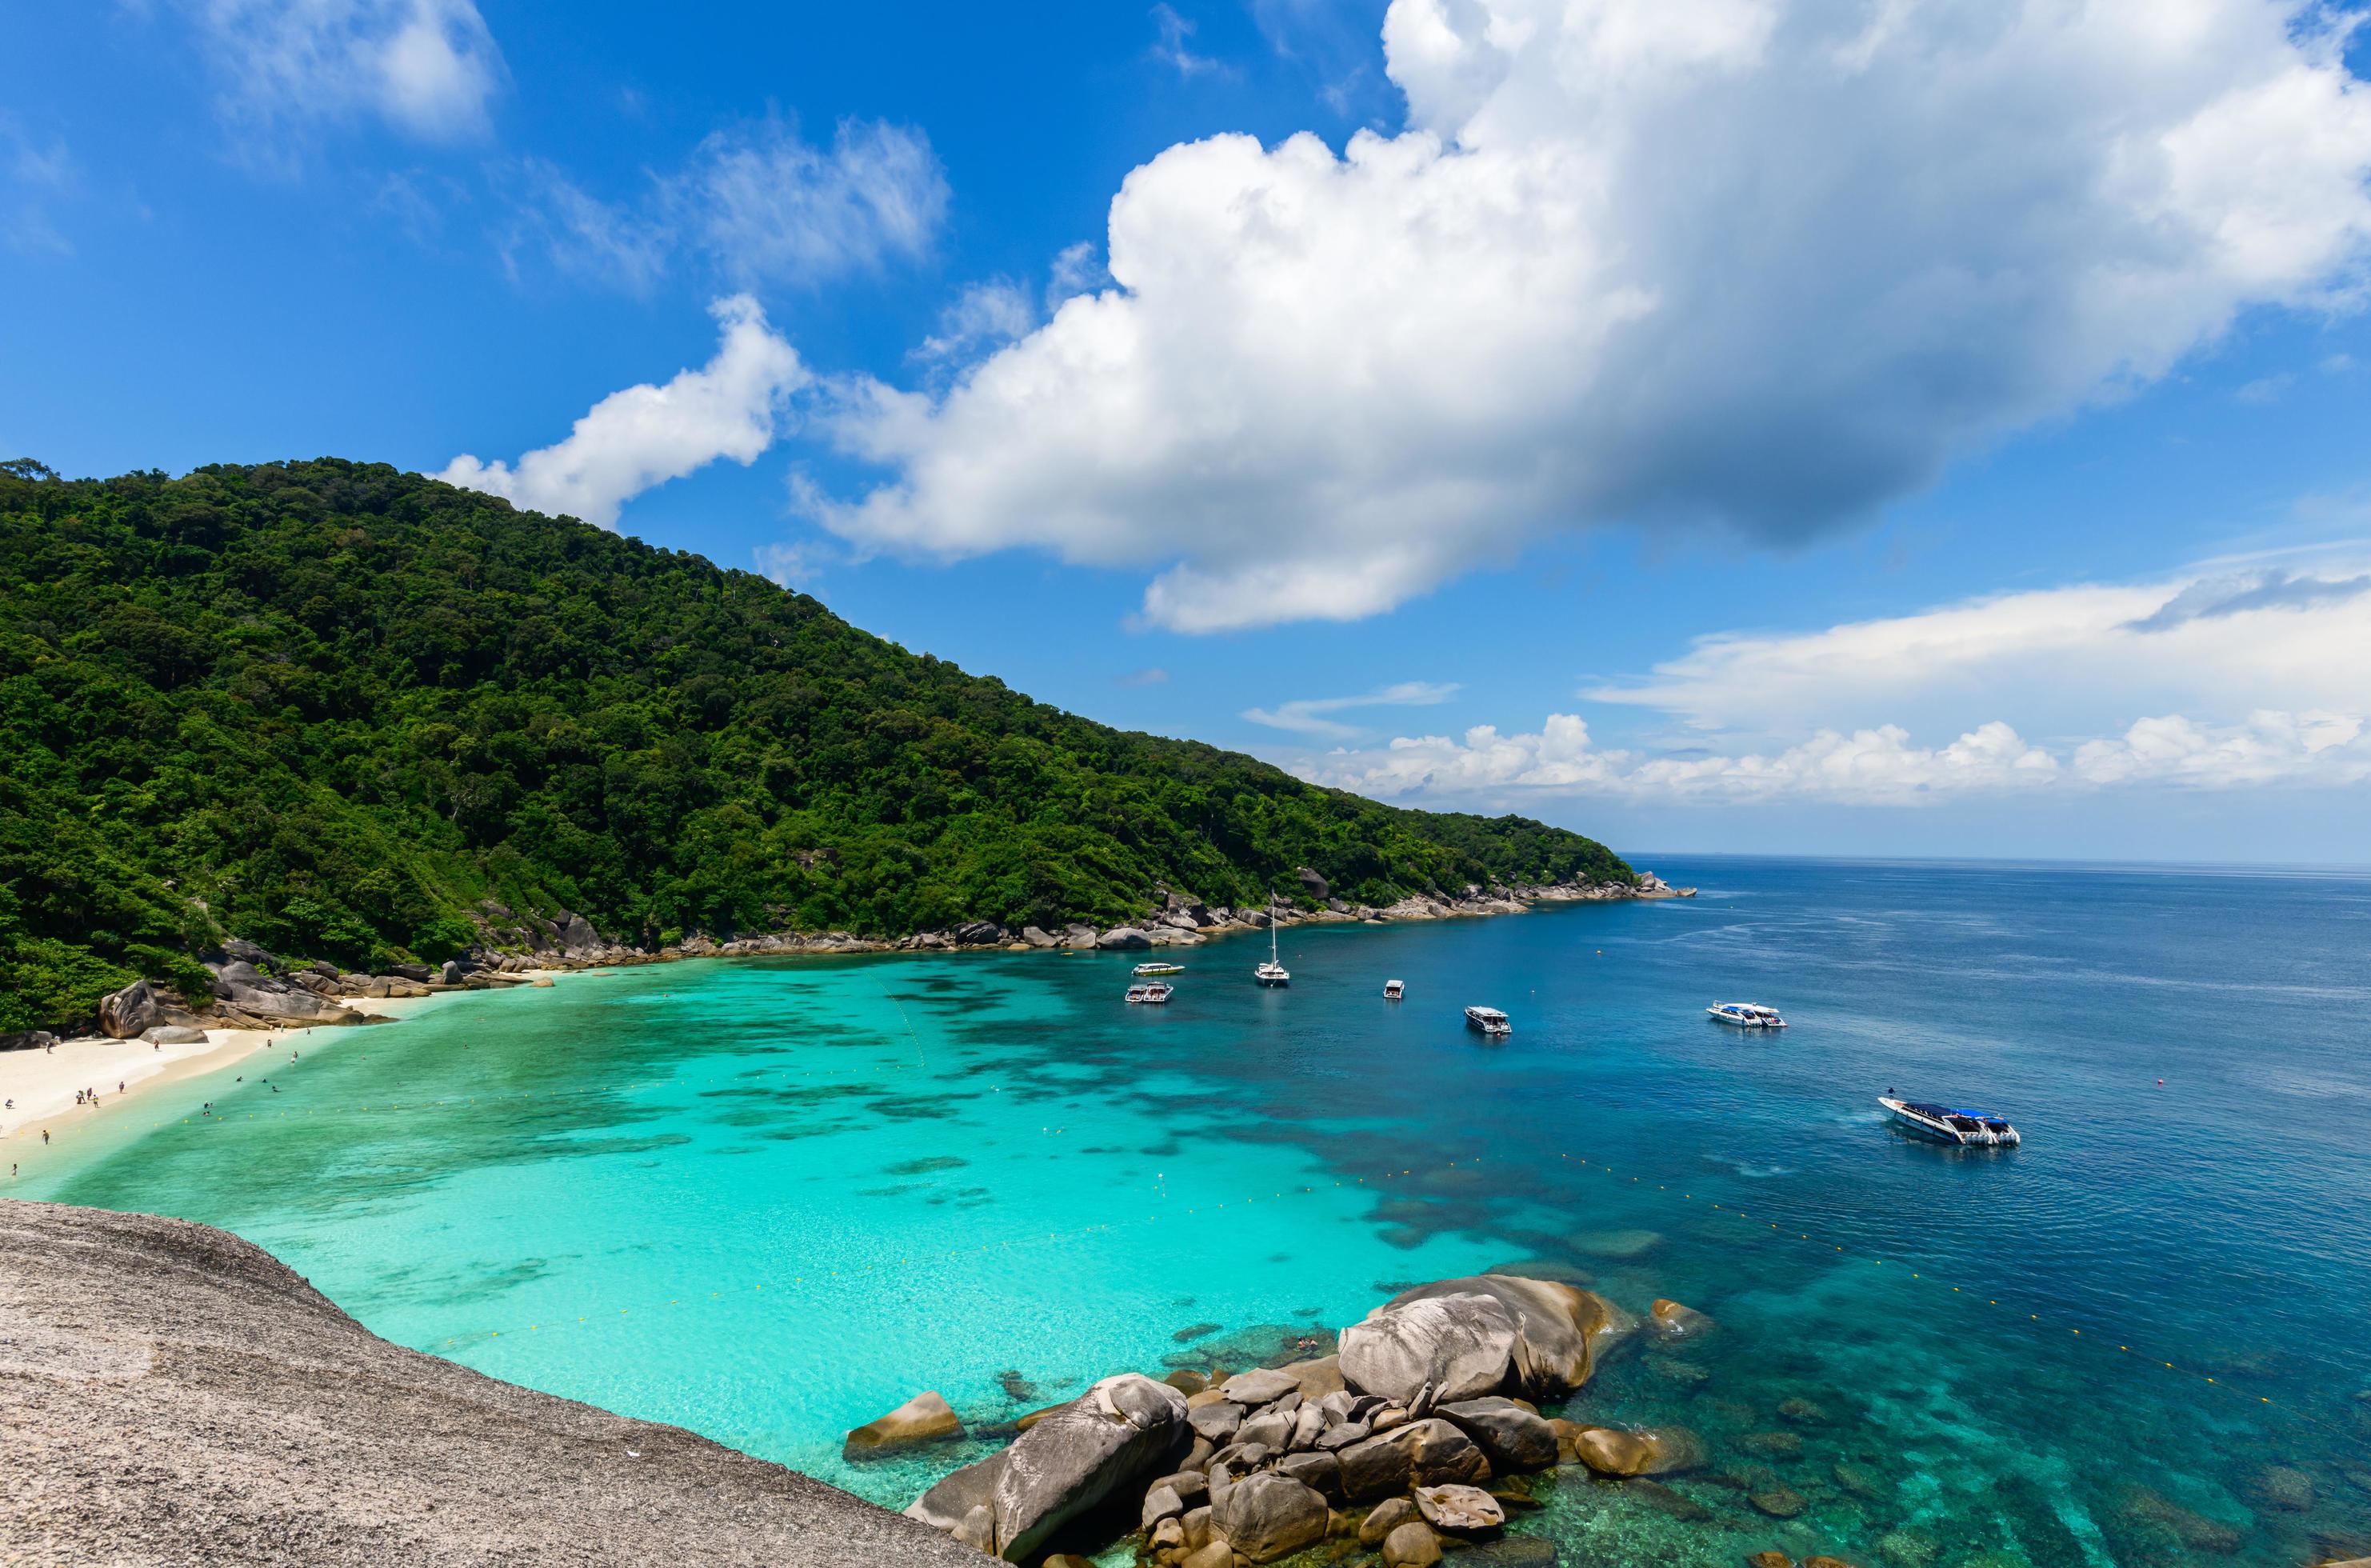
[(173, 1395)]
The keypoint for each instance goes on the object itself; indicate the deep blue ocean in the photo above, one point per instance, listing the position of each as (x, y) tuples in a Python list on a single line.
[(770, 1199)]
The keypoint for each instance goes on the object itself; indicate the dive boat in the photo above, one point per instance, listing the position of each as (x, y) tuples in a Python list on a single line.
[(1947, 1126), (1394, 990), (1746, 1015), (1272, 972), (1160, 965), (1153, 991), (1489, 1020)]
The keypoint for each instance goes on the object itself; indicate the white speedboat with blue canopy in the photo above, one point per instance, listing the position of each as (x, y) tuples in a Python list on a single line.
[(1946, 1125)]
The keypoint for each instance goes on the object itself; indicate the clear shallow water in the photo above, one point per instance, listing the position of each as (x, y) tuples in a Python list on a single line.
[(768, 1200)]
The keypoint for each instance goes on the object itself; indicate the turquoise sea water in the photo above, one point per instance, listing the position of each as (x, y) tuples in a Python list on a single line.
[(770, 1199)]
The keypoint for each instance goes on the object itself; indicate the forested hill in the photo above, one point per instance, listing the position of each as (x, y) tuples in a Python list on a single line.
[(329, 707)]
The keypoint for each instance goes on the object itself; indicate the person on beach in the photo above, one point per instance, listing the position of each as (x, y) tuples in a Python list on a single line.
[(45, 1134)]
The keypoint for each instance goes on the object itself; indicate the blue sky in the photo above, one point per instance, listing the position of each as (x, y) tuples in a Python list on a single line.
[(1770, 424)]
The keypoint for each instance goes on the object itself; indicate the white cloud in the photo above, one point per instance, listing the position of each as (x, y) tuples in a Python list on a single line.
[(985, 313), (2269, 748), (1176, 32), (757, 203), (1306, 716), (1763, 264), (429, 67), (1875, 766), (645, 435), (791, 565), (769, 207), (34, 173), (2212, 640)]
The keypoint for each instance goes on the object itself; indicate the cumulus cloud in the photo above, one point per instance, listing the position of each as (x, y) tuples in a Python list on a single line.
[(428, 67), (2212, 640), (1755, 263), (757, 203), (2271, 746), (983, 314), (1878, 766), (1307, 715), (645, 435)]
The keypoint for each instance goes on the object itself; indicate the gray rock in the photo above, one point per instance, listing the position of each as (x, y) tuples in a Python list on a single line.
[(1269, 1429), (1191, 1486), (1466, 1510), (1077, 935), (1124, 938), (1411, 1545), (925, 1418), (1259, 1387), (1307, 1423), (1267, 1516), (1315, 884), (1037, 938), (27, 1040), (1217, 1420), (1461, 1343), (175, 1034), (1077, 1456), (1514, 1438), (1385, 1517), (1560, 1330), (138, 1007), (1162, 1503), (978, 932), (946, 1504), (1334, 1438), (1425, 1452), (577, 937), (1321, 1473)]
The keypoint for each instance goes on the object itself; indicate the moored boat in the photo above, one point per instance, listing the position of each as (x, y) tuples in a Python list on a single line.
[(1746, 1015), (1160, 965), (1273, 972), (1489, 1020), (1154, 990), (1944, 1126), (1394, 990)]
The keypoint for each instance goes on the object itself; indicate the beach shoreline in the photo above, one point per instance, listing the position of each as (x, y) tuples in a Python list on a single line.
[(38, 1088)]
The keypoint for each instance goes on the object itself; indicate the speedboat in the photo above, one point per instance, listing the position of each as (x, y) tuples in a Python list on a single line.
[(1746, 1015), (1394, 990), (1947, 1126), (1155, 991), (1272, 972), (1160, 965), (1489, 1020)]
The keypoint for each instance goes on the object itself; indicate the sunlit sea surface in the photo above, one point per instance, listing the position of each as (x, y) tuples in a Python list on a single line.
[(768, 1200)]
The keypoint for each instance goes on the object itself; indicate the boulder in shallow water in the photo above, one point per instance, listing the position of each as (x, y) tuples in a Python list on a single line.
[(1560, 1332), (175, 1034), (1268, 1516), (1779, 1503), (1461, 1344), (1675, 1321), (1465, 1510), (1123, 938), (1514, 1436), (925, 1418), (1422, 1453), (1613, 1450), (1769, 1560), (1071, 1459), (1411, 1545)]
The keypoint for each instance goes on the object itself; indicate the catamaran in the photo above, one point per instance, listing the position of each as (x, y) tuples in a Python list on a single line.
[(1272, 972), (1394, 990), (1489, 1020), (1154, 990), (1746, 1015), (1947, 1126), (1160, 965)]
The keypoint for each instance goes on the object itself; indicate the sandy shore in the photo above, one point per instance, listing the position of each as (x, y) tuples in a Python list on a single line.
[(38, 1088)]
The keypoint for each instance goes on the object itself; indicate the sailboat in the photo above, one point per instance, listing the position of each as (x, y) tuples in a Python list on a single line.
[(1272, 972)]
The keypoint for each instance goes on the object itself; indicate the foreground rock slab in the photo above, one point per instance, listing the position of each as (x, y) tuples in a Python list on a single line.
[(173, 1395)]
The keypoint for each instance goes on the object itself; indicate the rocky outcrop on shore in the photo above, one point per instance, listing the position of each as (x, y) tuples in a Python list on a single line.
[(1412, 1438), (255, 989), (173, 1395)]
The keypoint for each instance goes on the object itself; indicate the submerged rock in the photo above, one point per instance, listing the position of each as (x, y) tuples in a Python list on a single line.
[(1466, 1510), (1610, 1450), (1411, 1545), (1779, 1503), (1676, 1321)]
